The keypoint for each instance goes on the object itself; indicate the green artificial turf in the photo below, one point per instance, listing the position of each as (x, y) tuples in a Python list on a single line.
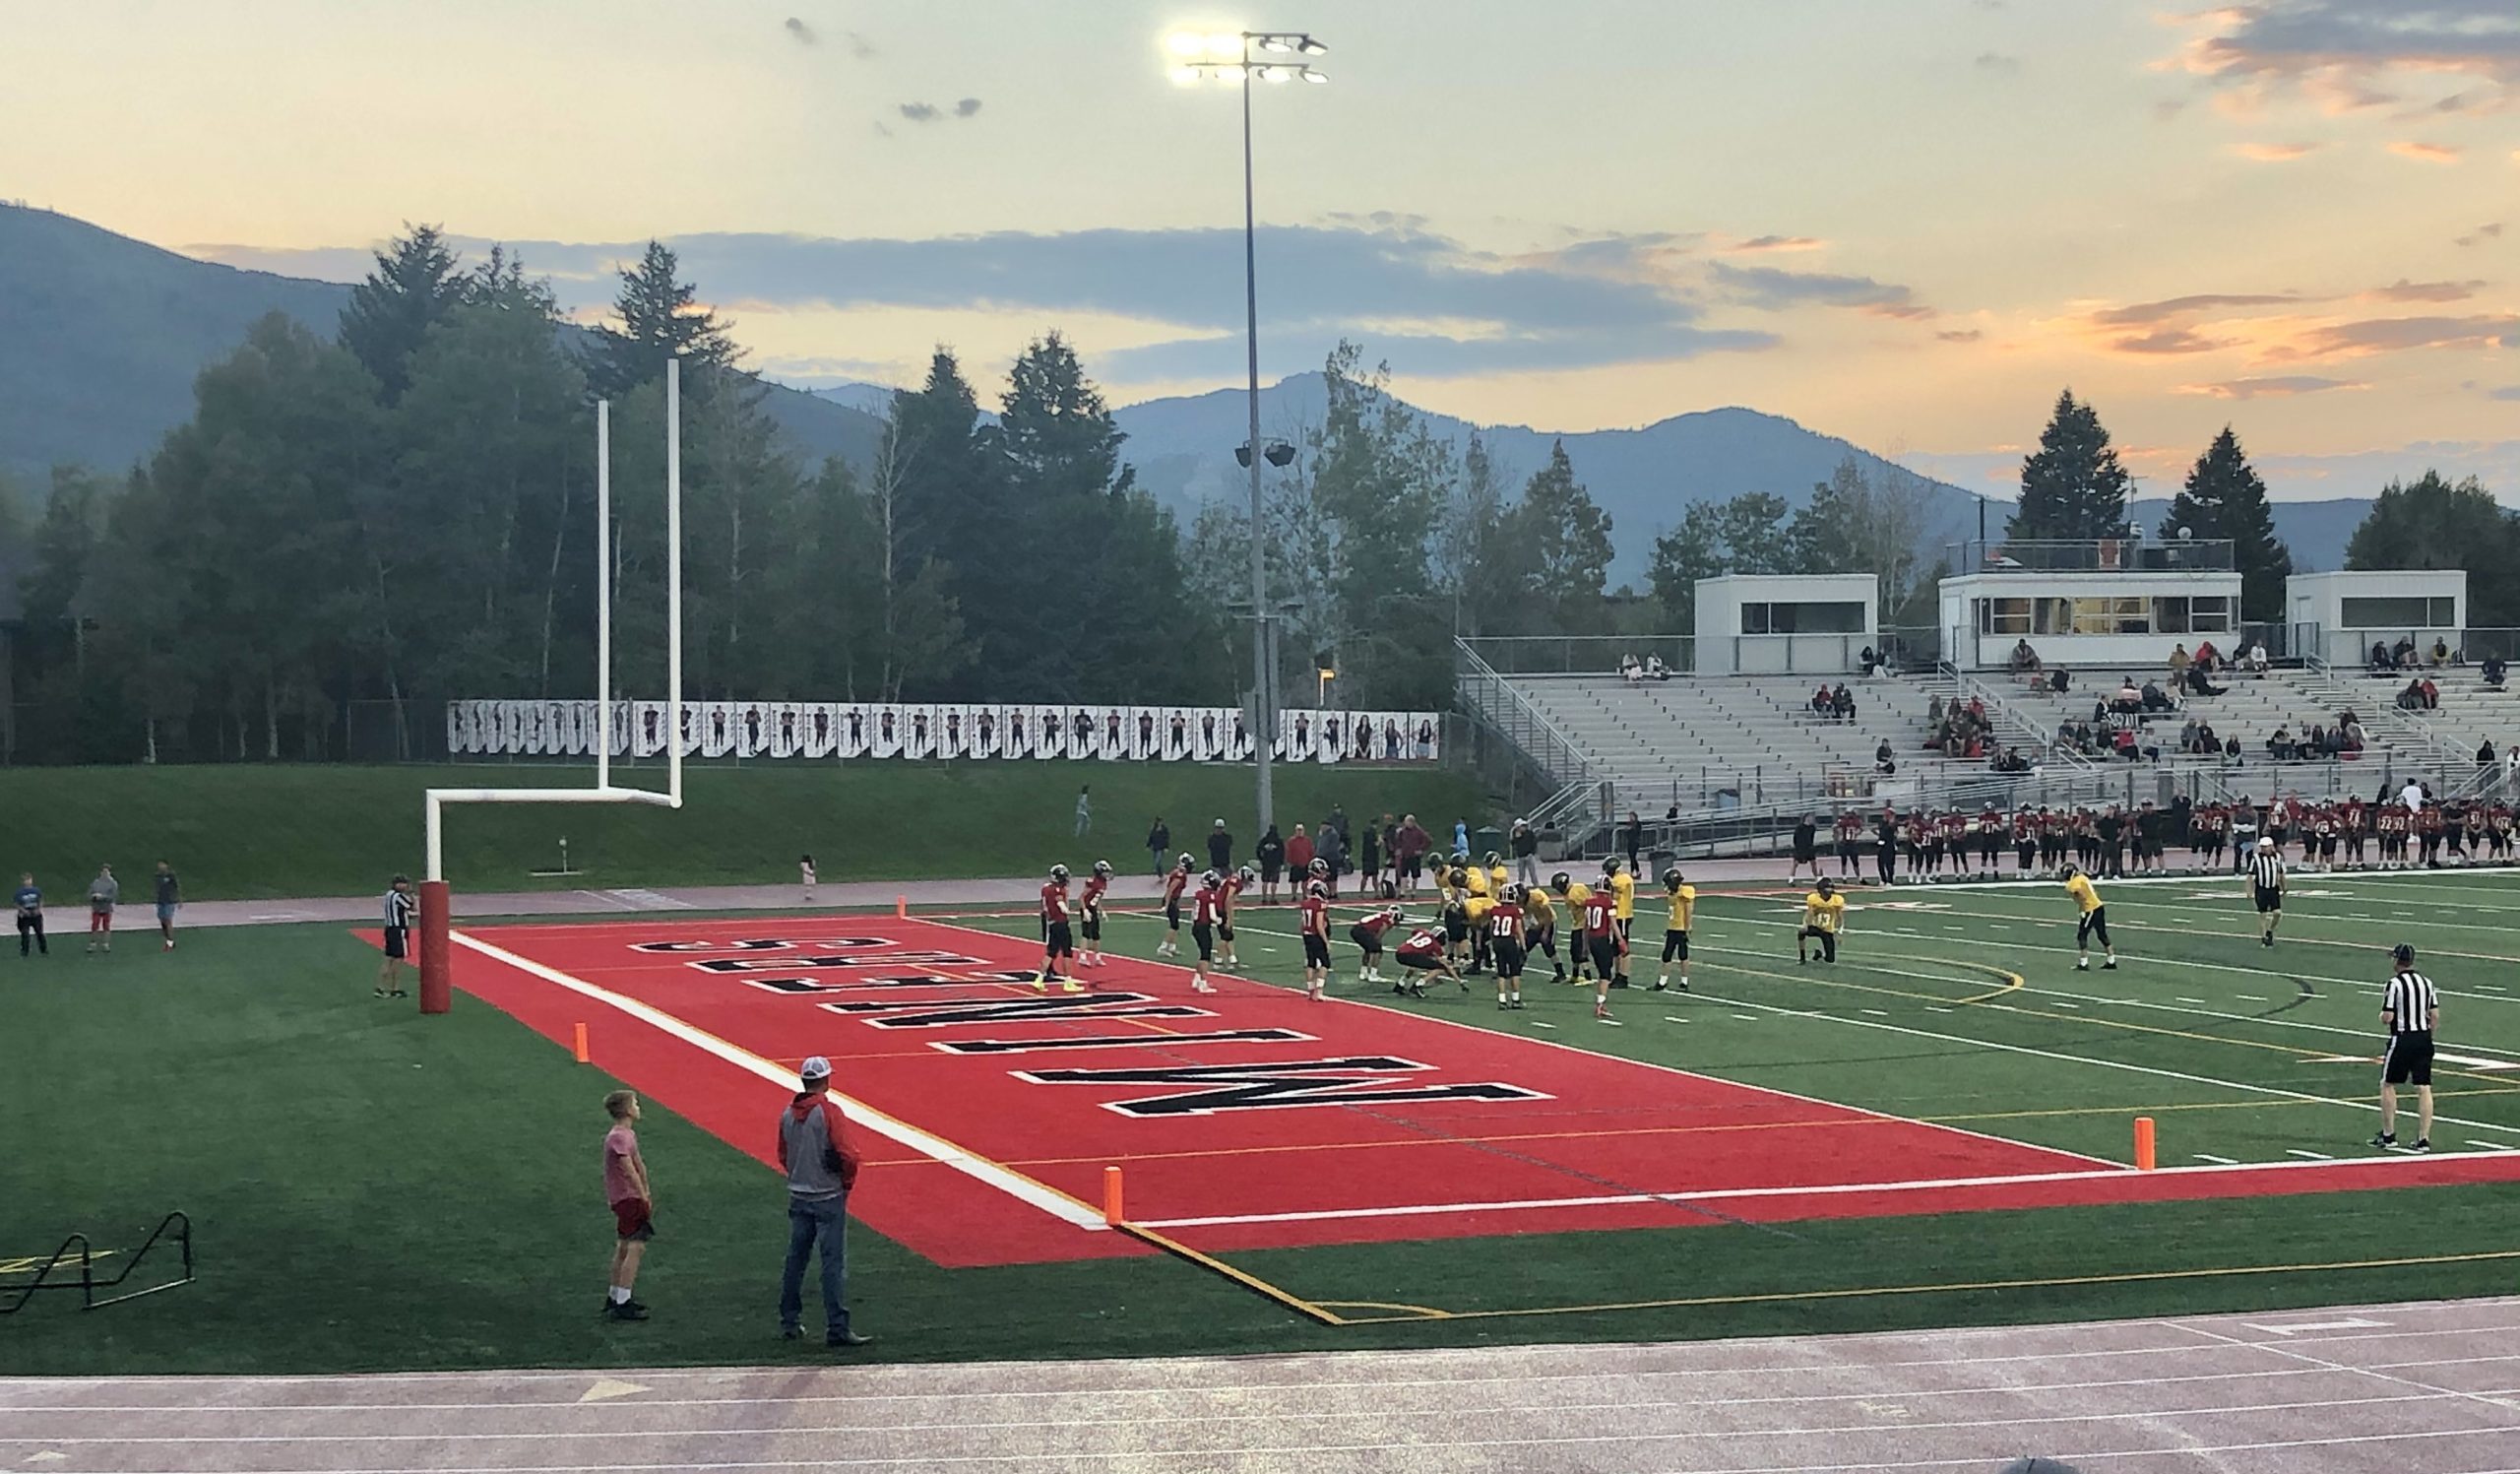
[(372, 1190), (240, 831)]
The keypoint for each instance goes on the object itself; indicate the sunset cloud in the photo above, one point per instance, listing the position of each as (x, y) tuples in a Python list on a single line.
[(2388, 335), (1757, 243), (2344, 43), (2274, 153), (2481, 234), (2426, 291), (1773, 290), (2270, 388), (2140, 314), (2169, 341), (1961, 335), (2426, 153)]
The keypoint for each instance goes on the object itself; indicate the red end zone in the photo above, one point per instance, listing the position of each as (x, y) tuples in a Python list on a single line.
[(1248, 1120)]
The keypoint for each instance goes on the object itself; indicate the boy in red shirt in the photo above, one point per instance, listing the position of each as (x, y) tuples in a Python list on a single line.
[(625, 1187), (1173, 885), (1090, 913), (1056, 940), (1206, 910)]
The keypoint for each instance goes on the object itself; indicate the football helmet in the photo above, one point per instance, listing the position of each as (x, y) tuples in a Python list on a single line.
[(1611, 864), (1318, 890), (1246, 875), (1319, 866), (1185, 863), (1560, 882), (1672, 876), (1102, 869), (1212, 879), (1058, 873)]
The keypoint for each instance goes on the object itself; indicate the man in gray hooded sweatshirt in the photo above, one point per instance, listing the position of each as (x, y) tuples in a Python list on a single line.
[(821, 1167)]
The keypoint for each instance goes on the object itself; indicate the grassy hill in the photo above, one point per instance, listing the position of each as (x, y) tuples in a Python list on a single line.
[(105, 335), (268, 832)]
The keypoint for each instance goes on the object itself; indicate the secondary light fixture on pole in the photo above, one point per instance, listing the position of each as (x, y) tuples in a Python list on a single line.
[(1243, 57)]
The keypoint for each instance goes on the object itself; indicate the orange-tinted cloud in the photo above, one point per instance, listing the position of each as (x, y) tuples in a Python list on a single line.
[(1961, 335), (2270, 388), (2167, 341), (2425, 153), (2141, 314), (2389, 335), (2274, 153), (1758, 244)]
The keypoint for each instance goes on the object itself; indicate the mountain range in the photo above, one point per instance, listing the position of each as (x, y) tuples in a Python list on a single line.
[(105, 335)]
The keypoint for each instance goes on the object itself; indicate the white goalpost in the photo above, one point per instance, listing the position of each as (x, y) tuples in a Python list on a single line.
[(436, 914)]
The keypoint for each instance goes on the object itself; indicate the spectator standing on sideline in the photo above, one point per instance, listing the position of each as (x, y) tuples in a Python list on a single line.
[(805, 877), (29, 901), (1331, 846), (1270, 853), (170, 894), (821, 1167), (633, 1203), (103, 893), (1083, 809), (1339, 820), (1220, 847), (1525, 844), (401, 909), (1369, 854), (1159, 843), (1632, 839), (1409, 844), (1300, 852), (2409, 1012)]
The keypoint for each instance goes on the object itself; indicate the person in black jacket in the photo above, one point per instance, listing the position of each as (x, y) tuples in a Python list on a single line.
[(1271, 856), (1221, 849), (2113, 843), (1159, 843), (1632, 839)]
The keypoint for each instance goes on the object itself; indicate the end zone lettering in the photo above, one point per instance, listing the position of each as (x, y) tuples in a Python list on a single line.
[(834, 959), (1358, 1080)]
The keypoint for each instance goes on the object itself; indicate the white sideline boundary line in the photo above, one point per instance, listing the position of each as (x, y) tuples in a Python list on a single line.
[(1726, 1195), (1013, 1184)]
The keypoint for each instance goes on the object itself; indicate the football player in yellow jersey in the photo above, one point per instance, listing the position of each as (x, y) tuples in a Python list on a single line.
[(1482, 947), (1474, 877), (2094, 922), (1622, 891), (1824, 919), (1454, 887), (1574, 893), (1539, 922), (1682, 898)]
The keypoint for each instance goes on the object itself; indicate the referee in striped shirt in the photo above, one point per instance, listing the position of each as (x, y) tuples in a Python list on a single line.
[(2266, 887), (2409, 1012)]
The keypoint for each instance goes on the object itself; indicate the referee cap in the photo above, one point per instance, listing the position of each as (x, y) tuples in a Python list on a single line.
[(815, 1067), (2265, 842)]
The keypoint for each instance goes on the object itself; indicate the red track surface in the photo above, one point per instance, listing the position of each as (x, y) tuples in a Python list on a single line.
[(1527, 1123)]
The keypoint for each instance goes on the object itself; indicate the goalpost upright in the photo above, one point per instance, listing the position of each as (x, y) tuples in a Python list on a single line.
[(437, 900)]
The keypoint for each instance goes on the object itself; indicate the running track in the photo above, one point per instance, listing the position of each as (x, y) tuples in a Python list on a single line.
[(2372, 1391)]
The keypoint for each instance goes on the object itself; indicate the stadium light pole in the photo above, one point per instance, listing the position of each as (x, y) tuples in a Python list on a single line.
[(1229, 57)]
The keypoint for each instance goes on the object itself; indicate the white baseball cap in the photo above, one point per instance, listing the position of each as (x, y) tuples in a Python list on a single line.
[(2265, 843), (815, 1067)]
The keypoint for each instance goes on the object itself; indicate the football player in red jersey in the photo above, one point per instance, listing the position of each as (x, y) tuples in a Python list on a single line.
[(1422, 951), (1175, 884), (1315, 907), (1056, 942), (1206, 910), (1231, 891), (1366, 933), (1090, 914), (1602, 939), (1505, 944), (1850, 837), (1990, 841)]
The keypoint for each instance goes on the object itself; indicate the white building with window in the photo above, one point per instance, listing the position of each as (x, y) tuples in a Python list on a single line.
[(2116, 602), (1774, 624), (2340, 616)]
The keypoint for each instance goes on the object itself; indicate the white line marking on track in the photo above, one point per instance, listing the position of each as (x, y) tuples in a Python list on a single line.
[(1747, 1018), (2311, 1155), (2496, 1146), (2191, 1000), (2216, 1161)]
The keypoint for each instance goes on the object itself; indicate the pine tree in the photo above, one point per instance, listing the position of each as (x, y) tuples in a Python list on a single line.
[(2225, 499), (660, 319), (415, 286), (2435, 524), (2073, 488), (1569, 536)]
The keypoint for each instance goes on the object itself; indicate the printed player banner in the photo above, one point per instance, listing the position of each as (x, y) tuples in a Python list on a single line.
[(817, 730)]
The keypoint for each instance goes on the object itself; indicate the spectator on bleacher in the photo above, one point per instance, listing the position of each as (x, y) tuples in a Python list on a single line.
[(2411, 698), (1630, 668), (1881, 760), (2129, 698), (2379, 659), (2232, 746), (2207, 657), (1842, 703), (2156, 700), (1933, 710), (2485, 754), (2492, 670), (2060, 680), (2432, 694), (2198, 685), (1977, 712), (2252, 657), (2180, 660), (1821, 705), (1868, 662), (2025, 661), (2124, 744), (1655, 667), (2402, 654), (2281, 745), (2188, 735), (2440, 652)]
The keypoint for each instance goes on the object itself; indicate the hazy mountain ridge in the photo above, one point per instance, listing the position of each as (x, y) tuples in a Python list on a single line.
[(106, 334)]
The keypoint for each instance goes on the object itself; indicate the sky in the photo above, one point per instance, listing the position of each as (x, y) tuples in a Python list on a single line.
[(1910, 222)]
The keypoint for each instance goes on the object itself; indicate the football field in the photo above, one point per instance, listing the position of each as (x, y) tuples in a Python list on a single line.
[(1937, 1130)]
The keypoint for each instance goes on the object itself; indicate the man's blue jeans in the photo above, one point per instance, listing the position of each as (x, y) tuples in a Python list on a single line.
[(809, 1219)]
